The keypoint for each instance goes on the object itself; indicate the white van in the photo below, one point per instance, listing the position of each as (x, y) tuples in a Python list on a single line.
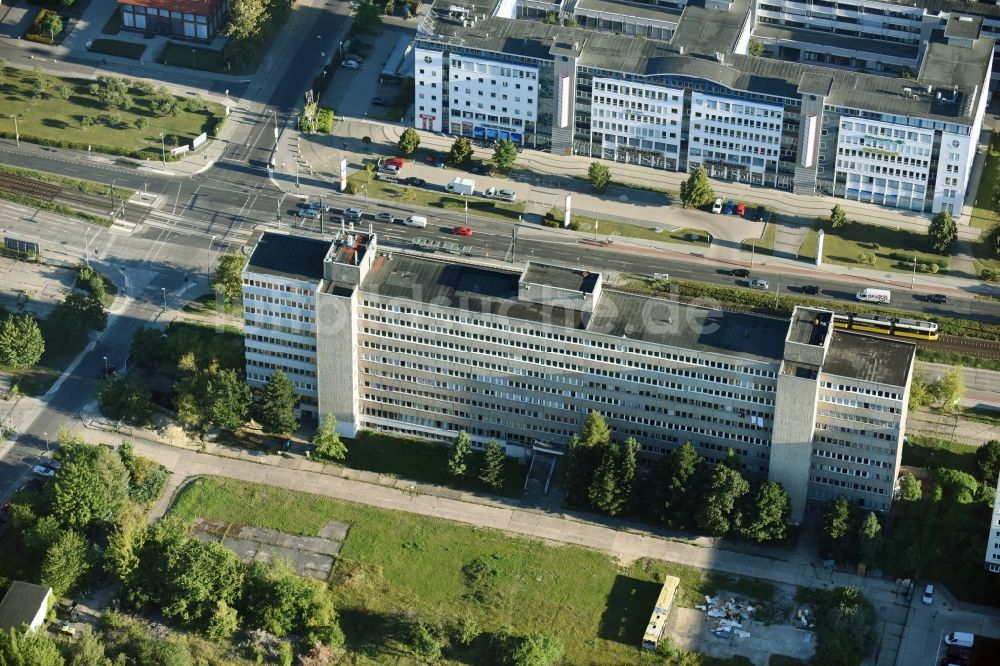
[(415, 221), (870, 295), (960, 639)]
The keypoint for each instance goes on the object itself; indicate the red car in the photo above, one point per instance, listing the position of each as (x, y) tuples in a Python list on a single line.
[(741, 209), (394, 161), (461, 231)]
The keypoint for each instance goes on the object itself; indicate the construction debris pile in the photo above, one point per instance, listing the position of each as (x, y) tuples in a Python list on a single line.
[(727, 616)]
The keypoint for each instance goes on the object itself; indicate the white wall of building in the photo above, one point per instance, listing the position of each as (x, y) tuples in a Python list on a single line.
[(993, 541), (638, 115), (428, 105), (490, 94), (735, 131), (885, 163)]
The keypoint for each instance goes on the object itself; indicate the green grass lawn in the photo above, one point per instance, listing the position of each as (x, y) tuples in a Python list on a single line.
[(118, 48), (393, 561), (418, 196), (807, 251), (611, 228), (984, 254), (764, 244), (424, 461), (982, 216), (49, 119), (929, 453), (209, 305), (842, 246)]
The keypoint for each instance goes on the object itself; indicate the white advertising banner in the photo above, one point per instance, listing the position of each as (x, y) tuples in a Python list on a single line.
[(569, 207), (343, 174)]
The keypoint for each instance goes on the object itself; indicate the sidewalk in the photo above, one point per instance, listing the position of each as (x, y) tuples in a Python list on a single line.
[(320, 159)]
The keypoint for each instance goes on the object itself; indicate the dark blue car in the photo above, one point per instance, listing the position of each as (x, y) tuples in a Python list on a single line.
[(730, 206)]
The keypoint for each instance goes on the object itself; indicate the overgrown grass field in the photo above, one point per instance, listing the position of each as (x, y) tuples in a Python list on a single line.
[(393, 561)]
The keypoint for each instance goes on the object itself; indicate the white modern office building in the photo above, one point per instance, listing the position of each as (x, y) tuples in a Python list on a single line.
[(427, 347), (993, 541), (850, 101)]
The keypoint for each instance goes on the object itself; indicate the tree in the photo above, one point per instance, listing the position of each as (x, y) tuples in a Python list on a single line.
[(231, 400), (678, 475), (228, 277), (922, 389), (505, 154), (196, 576), (126, 399), (909, 488), (91, 486), (755, 48), (595, 430), (461, 152), (582, 457), (112, 92), (327, 441), (492, 471), (79, 312), (957, 486), (942, 232), (121, 556), (869, 538), (225, 621), (988, 462), (628, 467), (696, 190), (36, 648), (599, 175), (838, 217), (536, 650), (278, 601), (718, 514), (21, 342), (603, 492), (278, 405), (66, 562), (409, 141), (836, 520), (87, 650), (848, 618), (247, 19), (460, 451), (950, 388), (52, 24), (148, 347), (367, 18), (768, 515)]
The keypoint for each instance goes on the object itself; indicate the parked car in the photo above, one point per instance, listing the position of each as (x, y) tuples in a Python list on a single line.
[(810, 289), (415, 182), (937, 298), (461, 231), (397, 162), (760, 214), (759, 284), (41, 470), (740, 273), (388, 168), (350, 64), (352, 215), (717, 206), (354, 57), (928, 595), (384, 217), (504, 195), (741, 209), (729, 207), (380, 101)]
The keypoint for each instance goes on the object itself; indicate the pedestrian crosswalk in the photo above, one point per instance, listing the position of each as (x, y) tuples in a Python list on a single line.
[(234, 234)]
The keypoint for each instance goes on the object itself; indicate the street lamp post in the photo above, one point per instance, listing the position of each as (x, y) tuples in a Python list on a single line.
[(105, 365), (46, 435), (163, 290), (17, 136), (208, 262), (296, 173), (86, 246), (913, 278), (163, 152)]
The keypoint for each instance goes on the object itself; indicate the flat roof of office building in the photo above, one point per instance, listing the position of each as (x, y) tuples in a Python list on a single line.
[(293, 257), (943, 65), (860, 44), (869, 358), (704, 30), (651, 12), (561, 277), (808, 326)]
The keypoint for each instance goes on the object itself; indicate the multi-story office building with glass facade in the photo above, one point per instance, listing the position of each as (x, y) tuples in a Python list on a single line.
[(674, 87), (414, 345)]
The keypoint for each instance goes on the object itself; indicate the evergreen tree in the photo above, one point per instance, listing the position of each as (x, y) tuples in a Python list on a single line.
[(679, 476), (492, 472), (696, 190), (766, 519), (327, 441), (582, 457), (869, 538), (231, 400), (838, 217), (628, 468), (458, 461), (909, 488), (603, 492), (718, 513), (942, 232), (278, 405), (599, 175), (988, 462)]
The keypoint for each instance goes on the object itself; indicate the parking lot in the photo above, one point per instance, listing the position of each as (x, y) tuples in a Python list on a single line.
[(356, 88)]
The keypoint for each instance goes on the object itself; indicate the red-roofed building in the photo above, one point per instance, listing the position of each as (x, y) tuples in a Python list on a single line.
[(184, 19)]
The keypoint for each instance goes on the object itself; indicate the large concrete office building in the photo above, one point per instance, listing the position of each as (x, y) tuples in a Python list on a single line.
[(993, 541), (419, 346), (846, 111)]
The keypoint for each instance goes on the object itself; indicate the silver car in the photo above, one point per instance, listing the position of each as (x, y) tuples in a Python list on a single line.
[(759, 284)]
